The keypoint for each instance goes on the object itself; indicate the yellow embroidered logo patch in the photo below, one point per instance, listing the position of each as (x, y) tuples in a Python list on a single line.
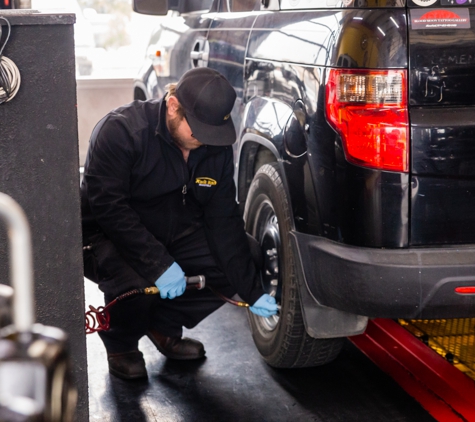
[(205, 181)]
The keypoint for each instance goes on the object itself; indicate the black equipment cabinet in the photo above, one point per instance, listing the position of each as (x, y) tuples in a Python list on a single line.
[(39, 168)]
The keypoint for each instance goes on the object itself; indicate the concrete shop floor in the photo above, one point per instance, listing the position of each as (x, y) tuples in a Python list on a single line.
[(234, 384)]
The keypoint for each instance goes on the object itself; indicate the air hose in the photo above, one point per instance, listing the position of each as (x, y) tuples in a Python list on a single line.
[(98, 319)]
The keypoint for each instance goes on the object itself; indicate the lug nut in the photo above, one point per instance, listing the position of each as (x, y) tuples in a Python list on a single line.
[(271, 252)]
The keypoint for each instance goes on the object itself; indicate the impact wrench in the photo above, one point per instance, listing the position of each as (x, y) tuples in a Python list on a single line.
[(98, 319)]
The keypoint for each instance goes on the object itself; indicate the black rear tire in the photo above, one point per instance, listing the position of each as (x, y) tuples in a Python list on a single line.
[(281, 340)]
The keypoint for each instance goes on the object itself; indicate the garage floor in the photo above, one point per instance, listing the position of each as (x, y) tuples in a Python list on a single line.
[(234, 384)]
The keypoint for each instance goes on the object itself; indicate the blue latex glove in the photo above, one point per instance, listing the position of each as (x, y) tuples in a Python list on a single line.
[(265, 306), (172, 282)]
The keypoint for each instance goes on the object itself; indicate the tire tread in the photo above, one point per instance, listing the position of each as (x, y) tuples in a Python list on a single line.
[(296, 349)]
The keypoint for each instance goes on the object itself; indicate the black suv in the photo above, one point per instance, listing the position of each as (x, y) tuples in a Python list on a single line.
[(355, 154)]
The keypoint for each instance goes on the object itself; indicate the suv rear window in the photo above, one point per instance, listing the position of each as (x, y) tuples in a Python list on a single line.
[(339, 4)]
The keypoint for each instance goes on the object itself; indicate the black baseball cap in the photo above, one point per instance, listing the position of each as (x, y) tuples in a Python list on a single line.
[(208, 98)]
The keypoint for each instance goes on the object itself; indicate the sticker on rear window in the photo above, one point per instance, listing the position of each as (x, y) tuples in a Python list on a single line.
[(440, 18), (454, 2), (424, 3)]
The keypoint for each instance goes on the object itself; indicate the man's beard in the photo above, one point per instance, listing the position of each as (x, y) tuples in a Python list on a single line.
[(173, 125)]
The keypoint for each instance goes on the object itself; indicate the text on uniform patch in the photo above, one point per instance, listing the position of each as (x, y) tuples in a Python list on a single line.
[(205, 181)]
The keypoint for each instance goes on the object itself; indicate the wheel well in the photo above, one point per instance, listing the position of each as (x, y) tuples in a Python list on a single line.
[(253, 157), (139, 94)]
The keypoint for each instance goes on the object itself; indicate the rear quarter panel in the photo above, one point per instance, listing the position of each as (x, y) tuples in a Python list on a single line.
[(286, 62)]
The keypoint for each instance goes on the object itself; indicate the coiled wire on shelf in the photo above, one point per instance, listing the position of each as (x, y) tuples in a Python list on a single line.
[(10, 78)]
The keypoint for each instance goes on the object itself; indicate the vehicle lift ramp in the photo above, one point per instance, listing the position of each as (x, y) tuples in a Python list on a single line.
[(432, 360)]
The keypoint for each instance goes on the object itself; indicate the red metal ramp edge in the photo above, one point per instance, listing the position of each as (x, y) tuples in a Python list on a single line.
[(445, 392)]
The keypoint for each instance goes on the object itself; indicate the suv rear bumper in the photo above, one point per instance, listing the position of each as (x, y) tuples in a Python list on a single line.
[(388, 283)]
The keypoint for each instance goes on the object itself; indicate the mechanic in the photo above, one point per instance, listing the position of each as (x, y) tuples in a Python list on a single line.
[(158, 202)]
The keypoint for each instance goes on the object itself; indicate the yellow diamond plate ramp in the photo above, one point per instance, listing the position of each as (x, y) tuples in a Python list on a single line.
[(444, 391)]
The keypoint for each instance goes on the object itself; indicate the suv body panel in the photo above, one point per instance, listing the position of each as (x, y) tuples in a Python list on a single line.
[(442, 113), (348, 38), (228, 38)]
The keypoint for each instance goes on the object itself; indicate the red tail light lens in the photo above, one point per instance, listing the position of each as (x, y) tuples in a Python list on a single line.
[(466, 290), (368, 109)]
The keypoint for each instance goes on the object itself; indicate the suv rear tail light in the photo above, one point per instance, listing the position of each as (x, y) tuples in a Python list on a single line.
[(368, 109)]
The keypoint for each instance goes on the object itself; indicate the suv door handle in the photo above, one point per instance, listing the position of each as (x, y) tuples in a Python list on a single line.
[(199, 55)]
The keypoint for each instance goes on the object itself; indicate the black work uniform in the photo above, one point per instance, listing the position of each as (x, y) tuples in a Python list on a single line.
[(144, 207)]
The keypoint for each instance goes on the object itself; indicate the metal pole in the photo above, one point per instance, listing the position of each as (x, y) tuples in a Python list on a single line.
[(21, 273)]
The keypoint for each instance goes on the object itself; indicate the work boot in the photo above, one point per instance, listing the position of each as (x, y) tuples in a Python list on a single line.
[(128, 365), (177, 347)]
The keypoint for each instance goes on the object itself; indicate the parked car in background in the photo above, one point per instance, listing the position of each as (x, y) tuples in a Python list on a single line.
[(355, 154)]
